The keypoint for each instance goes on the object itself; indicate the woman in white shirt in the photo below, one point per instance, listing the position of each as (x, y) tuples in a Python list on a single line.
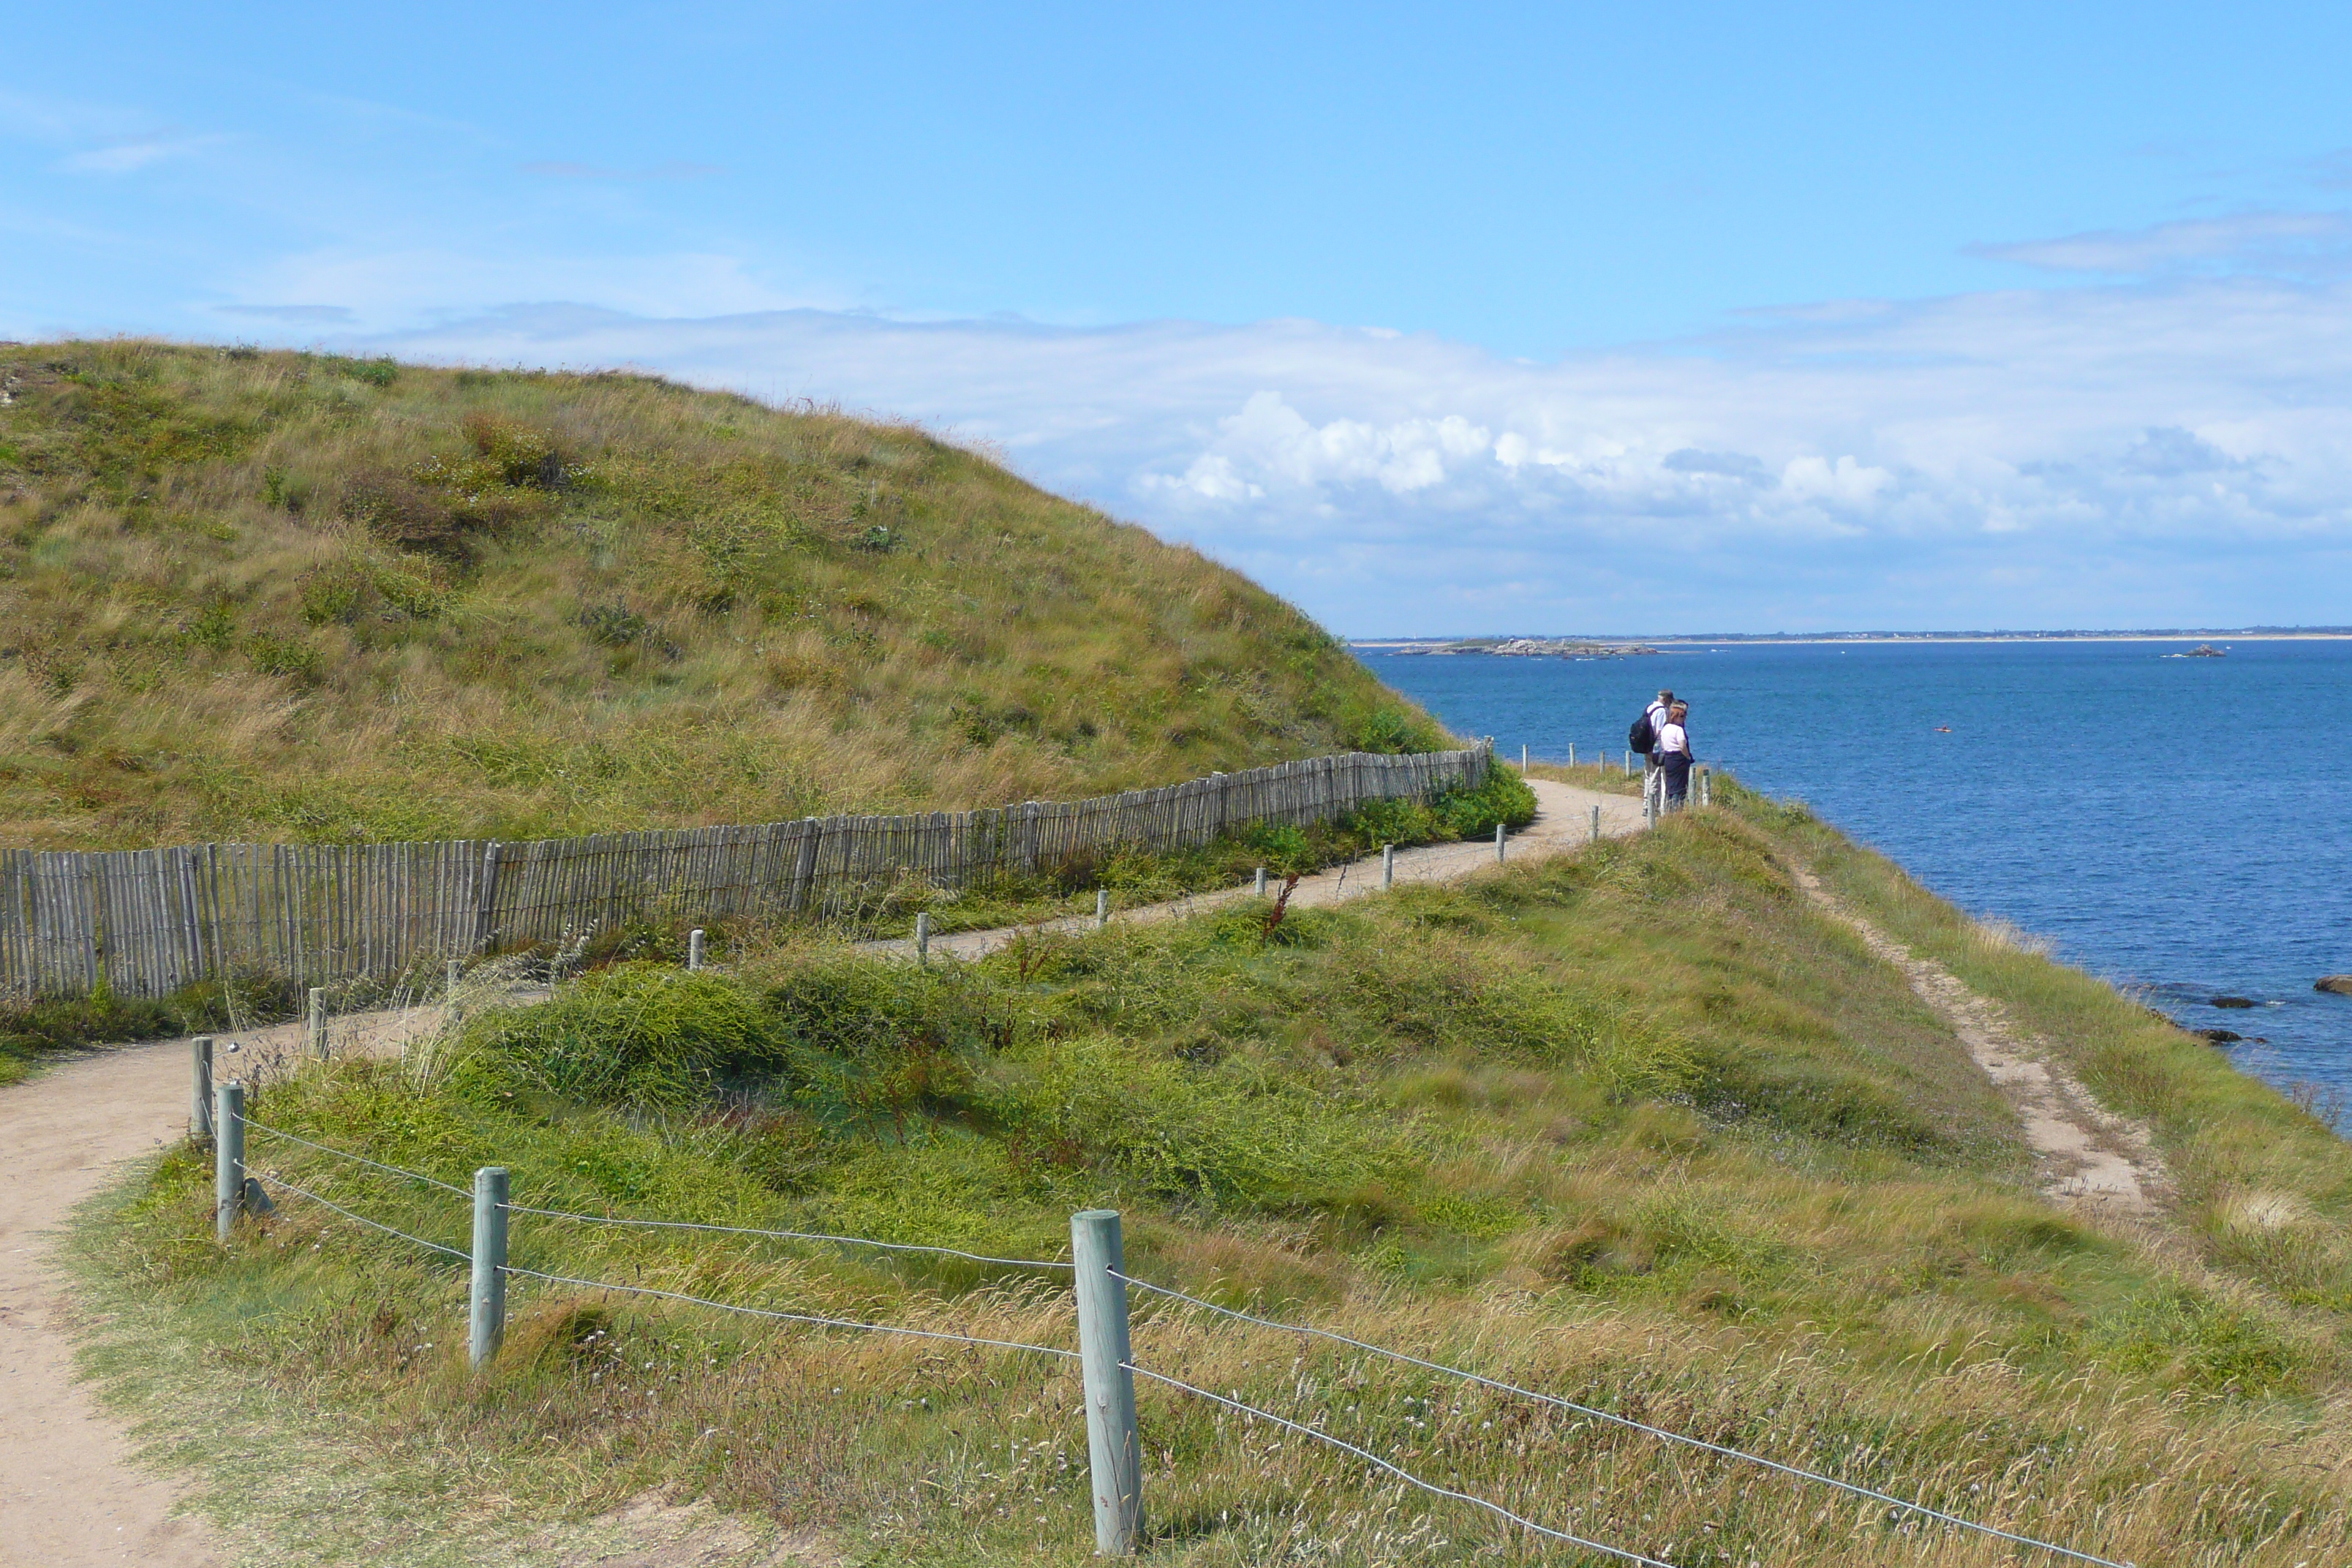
[(1674, 755)]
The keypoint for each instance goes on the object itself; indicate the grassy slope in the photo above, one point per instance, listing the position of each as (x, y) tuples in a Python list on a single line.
[(283, 596), (1638, 1127)]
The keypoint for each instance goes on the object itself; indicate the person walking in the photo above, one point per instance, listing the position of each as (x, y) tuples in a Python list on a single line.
[(1653, 718), (1674, 757)]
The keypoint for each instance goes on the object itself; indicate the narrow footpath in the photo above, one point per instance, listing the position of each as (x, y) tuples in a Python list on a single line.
[(2085, 1157), (1563, 821)]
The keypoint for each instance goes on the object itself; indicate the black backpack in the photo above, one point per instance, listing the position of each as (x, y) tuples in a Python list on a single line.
[(1641, 737)]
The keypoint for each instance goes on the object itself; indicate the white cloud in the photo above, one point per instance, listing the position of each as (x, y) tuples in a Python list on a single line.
[(382, 288), (2151, 454), (130, 154), (2295, 243)]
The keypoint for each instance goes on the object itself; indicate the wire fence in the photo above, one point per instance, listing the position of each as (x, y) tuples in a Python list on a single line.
[(491, 1246)]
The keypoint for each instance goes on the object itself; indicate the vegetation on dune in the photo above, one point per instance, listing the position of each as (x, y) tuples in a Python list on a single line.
[(280, 595), (1139, 877), (1638, 1126)]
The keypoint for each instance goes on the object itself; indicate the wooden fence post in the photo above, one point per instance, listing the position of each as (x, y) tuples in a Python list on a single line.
[(229, 1158), (1596, 825), (1102, 908), (1113, 1445), (1498, 842), (1388, 867), (1259, 888), (923, 936), (486, 1318), (486, 907), (200, 1091), (317, 1031), (694, 949)]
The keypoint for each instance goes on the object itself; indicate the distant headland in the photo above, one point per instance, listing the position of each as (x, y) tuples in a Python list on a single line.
[(1599, 647)]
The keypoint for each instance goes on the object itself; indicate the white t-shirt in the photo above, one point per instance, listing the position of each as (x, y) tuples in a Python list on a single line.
[(1673, 737)]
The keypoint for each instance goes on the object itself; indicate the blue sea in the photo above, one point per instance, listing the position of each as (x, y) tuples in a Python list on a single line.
[(2178, 826)]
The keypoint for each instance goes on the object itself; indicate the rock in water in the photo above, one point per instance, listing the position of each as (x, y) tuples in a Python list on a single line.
[(2340, 984), (2217, 1037), (2233, 1001)]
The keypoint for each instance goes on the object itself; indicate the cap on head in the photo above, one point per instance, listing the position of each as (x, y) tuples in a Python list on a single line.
[(1665, 696)]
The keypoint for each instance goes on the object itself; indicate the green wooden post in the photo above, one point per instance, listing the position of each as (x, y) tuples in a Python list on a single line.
[(200, 1090), (229, 1158), (487, 1319), (1113, 1443)]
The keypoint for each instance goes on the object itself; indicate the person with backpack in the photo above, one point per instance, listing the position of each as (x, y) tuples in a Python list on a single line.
[(1674, 757), (1643, 737)]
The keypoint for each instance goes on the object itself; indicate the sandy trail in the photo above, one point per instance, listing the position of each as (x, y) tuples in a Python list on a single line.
[(70, 1495), (2084, 1155), (1563, 821)]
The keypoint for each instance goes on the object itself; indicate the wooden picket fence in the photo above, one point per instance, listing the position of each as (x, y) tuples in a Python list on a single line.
[(145, 923)]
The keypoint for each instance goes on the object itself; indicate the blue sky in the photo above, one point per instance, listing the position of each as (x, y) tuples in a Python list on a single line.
[(1559, 318)]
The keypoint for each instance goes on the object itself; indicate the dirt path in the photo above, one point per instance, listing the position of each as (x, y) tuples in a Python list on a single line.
[(70, 1496), (1563, 820), (2084, 1155)]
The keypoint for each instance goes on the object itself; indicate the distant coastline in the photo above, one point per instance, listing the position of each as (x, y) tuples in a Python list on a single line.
[(1596, 647)]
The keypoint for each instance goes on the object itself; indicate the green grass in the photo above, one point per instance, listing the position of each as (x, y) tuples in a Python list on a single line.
[(34, 1028), (287, 596), (1637, 1126)]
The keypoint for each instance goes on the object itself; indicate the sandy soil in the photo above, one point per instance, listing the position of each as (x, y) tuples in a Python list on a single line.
[(69, 1495), (2084, 1155)]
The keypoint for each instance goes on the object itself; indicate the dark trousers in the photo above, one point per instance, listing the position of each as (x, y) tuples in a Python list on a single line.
[(1677, 769)]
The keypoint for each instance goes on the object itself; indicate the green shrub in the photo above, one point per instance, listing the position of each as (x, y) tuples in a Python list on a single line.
[(639, 1035)]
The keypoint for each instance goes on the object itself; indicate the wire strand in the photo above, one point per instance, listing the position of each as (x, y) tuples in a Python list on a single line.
[(355, 1159), (282, 1183), (794, 1317), (1399, 1472), (787, 1236), (1626, 1421)]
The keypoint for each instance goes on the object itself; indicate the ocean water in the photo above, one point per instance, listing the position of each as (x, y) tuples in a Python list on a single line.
[(2182, 825)]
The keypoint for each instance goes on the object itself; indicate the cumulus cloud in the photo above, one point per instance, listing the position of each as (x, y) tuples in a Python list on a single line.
[(2157, 453)]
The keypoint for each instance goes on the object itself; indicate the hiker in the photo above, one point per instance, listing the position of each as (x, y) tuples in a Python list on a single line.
[(1674, 757), (1645, 741)]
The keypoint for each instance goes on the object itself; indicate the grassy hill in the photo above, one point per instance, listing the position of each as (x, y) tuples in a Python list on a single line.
[(1640, 1127), (280, 596)]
